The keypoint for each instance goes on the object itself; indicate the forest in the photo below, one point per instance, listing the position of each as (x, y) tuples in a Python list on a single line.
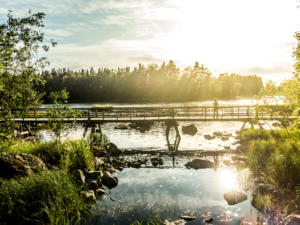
[(151, 83)]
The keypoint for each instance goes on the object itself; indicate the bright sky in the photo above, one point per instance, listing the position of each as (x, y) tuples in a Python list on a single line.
[(233, 36)]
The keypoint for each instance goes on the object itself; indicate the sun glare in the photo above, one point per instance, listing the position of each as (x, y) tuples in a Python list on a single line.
[(228, 179)]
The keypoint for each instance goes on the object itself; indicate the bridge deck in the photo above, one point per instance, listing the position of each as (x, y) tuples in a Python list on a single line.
[(139, 114)]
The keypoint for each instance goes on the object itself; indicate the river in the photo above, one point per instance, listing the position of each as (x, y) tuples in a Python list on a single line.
[(174, 190)]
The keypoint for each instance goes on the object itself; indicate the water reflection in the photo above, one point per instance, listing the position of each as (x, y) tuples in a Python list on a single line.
[(228, 178), (171, 193)]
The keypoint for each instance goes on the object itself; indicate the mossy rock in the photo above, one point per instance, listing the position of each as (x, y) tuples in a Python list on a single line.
[(12, 164)]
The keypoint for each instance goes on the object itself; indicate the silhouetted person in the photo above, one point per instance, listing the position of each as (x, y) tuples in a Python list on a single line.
[(216, 104)]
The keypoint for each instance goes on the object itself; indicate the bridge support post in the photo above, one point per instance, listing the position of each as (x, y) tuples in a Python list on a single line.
[(172, 147)]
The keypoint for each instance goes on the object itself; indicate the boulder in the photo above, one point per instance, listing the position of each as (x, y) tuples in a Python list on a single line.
[(154, 163), (209, 137), (154, 159), (293, 220), (160, 161), (122, 126), (177, 222), (98, 162), (209, 219), (89, 196), (113, 149), (188, 217), (135, 164), (234, 197), (12, 164), (109, 180), (276, 124), (131, 125), (227, 135), (99, 152), (217, 133), (93, 179), (79, 177), (201, 164), (100, 191), (189, 129), (225, 138), (227, 147), (266, 189)]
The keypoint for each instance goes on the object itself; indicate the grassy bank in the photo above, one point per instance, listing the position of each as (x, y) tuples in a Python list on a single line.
[(49, 197), (276, 155)]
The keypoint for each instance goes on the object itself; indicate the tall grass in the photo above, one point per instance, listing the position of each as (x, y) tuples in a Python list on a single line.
[(68, 155), (275, 153), (48, 197), (99, 140)]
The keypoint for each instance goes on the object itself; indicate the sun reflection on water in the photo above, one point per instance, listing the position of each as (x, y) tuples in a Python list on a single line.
[(228, 179)]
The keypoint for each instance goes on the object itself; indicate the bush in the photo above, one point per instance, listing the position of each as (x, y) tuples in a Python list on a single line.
[(68, 155), (99, 140), (46, 197)]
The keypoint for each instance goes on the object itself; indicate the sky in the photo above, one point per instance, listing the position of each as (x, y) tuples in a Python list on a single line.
[(233, 36)]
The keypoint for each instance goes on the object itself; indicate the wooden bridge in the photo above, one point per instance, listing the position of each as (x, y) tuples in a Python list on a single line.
[(93, 117), (245, 113)]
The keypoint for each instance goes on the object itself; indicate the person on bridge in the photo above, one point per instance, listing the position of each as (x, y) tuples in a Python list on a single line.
[(216, 104)]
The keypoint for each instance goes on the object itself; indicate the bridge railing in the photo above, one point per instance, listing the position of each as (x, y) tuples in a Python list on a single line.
[(140, 113)]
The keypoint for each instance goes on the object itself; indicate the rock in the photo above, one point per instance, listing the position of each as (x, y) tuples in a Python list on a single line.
[(122, 126), (225, 138), (160, 161), (227, 135), (12, 164), (93, 179), (294, 219), (189, 129), (234, 197), (209, 137), (98, 162), (135, 164), (266, 189), (154, 159), (209, 219), (109, 180), (131, 125), (89, 196), (227, 147), (236, 142), (217, 133), (188, 217), (276, 124), (258, 180), (227, 162), (100, 191), (237, 131), (113, 149), (177, 222), (188, 164), (202, 163), (99, 152), (79, 177), (238, 137), (154, 163)]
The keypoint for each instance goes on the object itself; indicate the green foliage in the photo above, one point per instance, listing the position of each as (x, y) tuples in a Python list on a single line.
[(20, 67), (151, 83), (68, 155), (57, 112), (276, 154), (41, 198), (153, 220)]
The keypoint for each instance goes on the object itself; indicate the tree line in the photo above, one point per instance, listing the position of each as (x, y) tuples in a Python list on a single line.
[(151, 83)]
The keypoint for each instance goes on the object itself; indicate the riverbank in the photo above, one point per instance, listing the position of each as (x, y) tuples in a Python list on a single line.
[(273, 157)]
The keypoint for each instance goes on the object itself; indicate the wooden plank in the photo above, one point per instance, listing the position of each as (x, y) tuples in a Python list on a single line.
[(28, 128)]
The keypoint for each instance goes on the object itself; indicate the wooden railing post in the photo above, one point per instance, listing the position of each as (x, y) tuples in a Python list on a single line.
[(172, 113), (232, 113), (248, 111), (205, 113), (130, 113), (238, 112), (144, 114)]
